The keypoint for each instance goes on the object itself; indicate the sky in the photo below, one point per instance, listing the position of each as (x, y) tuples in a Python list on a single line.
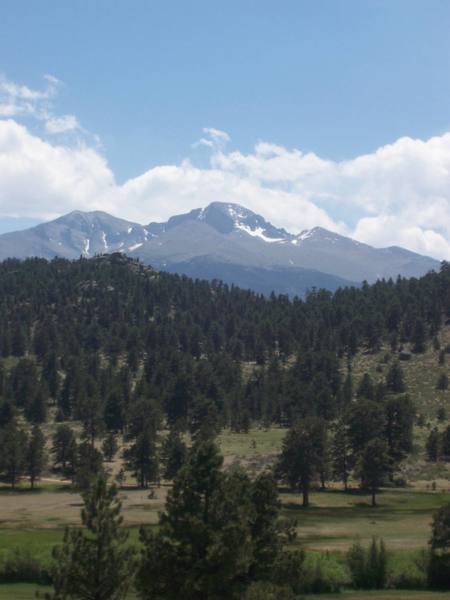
[(332, 113)]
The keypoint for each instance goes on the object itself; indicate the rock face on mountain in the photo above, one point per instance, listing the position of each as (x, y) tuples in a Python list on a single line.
[(222, 241)]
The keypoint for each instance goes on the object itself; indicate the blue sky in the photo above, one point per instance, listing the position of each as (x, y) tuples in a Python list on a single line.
[(142, 79)]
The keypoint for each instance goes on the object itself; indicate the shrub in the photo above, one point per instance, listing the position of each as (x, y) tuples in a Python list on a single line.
[(408, 573), (368, 568), (289, 570), (439, 564), (325, 573), (263, 590), (21, 566)]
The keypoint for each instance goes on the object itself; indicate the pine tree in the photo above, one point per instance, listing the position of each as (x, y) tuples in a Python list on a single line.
[(96, 562), (36, 458), (110, 446), (13, 442), (88, 465), (400, 415), (445, 444), (341, 452), (63, 439), (366, 420), (374, 466), (366, 388), (141, 458), (442, 382), (433, 445), (36, 411), (302, 455), (218, 531), (439, 563), (174, 454), (395, 381), (419, 336)]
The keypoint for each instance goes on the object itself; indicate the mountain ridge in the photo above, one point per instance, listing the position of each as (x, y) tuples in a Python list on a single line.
[(221, 241)]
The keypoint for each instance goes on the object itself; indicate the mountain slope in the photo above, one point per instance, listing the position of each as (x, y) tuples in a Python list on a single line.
[(222, 241), (75, 234)]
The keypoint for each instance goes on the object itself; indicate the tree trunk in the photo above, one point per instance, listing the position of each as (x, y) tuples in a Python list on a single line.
[(306, 496), (374, 502)]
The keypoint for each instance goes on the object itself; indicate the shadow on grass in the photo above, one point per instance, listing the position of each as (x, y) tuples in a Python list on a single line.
[(39, 489)]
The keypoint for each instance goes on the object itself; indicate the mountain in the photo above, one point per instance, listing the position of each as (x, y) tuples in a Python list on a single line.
[(222, 241), (75, 234)]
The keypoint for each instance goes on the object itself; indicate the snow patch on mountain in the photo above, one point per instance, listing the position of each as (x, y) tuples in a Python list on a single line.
[(135, 246), (258, 232)]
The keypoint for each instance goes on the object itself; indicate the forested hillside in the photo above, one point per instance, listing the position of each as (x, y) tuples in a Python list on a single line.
[(111, 369), (103, 335)]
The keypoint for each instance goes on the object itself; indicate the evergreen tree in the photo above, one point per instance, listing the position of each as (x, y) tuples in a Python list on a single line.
[(88, 466), (374, 466), (341, 452), (377, 565), (96, 562), (62, 442), (217, 532), (174, 454), (419, 337), (433, 445), (439, 564), (302, 455), (36, 458), (110, 446), (442, 382), (395, 381), (36, 410), (203, 418), (368, 567), (7, 413), (366, 388), (445, 444), (400, 415), (91, 413), (13, 442), (366, 421), (142, 460)]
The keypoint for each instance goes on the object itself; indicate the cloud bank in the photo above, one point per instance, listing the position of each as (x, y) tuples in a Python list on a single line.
[(397, 195)]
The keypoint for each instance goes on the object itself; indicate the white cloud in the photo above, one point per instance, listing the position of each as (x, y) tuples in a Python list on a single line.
[(215, 139), (18, 101), (397, 195), (62, 124)]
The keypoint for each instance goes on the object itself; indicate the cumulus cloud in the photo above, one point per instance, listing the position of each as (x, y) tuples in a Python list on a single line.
[(397, 195)]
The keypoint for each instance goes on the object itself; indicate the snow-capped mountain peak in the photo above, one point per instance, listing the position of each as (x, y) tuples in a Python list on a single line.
[(224, 241)]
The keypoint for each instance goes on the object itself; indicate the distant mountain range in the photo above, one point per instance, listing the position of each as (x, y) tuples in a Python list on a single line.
[(222, 241)]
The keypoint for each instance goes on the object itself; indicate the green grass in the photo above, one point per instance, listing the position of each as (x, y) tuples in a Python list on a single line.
[(27, 591), (334, 519), (39, 542), (382, 595), (20, 591)]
